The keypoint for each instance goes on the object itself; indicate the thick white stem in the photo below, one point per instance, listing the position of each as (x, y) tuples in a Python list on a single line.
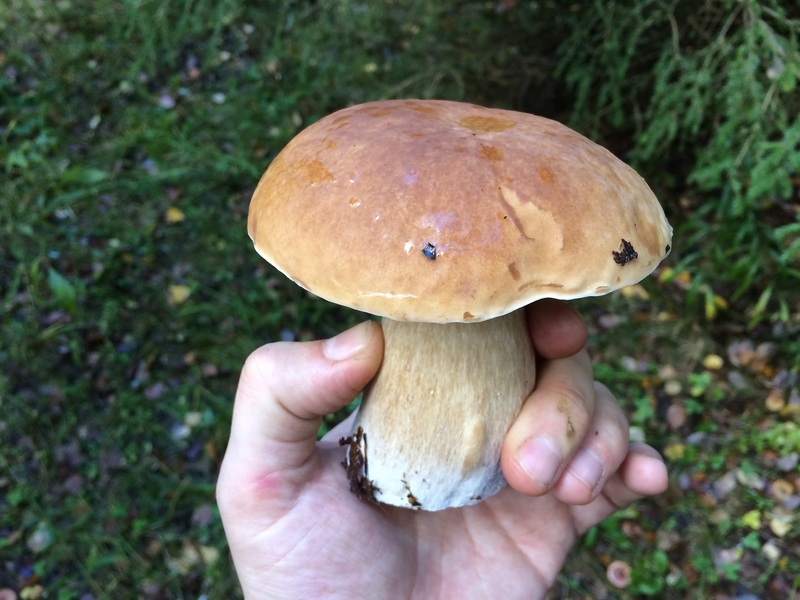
[(432, 422)]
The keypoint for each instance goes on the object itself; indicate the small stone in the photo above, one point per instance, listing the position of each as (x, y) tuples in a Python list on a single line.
[(771, 551), (41, 538), (792, 503), (166, 101), (192, 418), (202, 515), (725, 484), (609, 321), (676, 416), (737, 380), (741, 353), (751, 480), (667, 540)]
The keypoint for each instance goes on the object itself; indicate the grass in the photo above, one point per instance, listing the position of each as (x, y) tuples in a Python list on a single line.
[(131, 136)]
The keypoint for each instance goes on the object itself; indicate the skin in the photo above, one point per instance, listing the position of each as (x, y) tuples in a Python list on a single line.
[(296, 532)]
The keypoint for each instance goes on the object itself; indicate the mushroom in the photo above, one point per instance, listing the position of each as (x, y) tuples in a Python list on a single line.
[(446, 219)]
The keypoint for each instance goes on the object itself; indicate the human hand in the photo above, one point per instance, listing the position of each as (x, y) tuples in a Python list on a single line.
[(295, 531)]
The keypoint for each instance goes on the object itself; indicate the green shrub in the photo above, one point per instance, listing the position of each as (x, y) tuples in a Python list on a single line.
[(706, 96)]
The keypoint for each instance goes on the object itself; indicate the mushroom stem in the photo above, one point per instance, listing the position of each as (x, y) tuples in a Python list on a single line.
[(432, 423)]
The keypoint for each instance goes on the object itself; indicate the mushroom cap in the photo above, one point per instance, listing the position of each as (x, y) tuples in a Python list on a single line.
[(440, 211)]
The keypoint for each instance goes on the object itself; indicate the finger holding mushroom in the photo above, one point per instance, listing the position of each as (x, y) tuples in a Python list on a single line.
[(446, 219)]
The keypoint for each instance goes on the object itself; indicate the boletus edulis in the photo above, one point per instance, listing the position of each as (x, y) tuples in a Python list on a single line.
[(446, 219)]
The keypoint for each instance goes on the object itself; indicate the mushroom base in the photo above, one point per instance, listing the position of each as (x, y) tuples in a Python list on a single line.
[(431, 426)]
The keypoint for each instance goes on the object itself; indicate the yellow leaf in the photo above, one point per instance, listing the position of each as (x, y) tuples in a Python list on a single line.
[(711, 310), (178, 294), (771, 551), (675, 451), (775, 401), (780, 525), (174, 215), (713, 362), (752, 519), (635, 291), (31, 592), (209, 554)]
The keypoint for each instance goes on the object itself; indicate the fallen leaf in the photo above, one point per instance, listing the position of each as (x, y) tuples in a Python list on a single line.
[(209, 370), (752, 519), (676, 415), (675, 451), (781, 489), (780, 525), (672, 387), (720, 302), (609, 321), (775, 401), (771, 551), (41, 538), (193, 555), (667, 540), (192, 419), (788, 462), (210, 450), (154, 547), (713, 362), (741, 353), (666, 317), (178, 294), (668, 372), (155, 391), (635, 291), (174, 215), (727, 556), (180, 431), (725, 484), (751, 480), (202, 515), (12, 538), (33, 592)]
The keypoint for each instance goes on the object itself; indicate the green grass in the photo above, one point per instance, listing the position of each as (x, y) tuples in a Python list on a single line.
[(132, 133)]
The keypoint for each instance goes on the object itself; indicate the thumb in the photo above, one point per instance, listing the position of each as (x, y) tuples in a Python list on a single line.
[(284, 390)]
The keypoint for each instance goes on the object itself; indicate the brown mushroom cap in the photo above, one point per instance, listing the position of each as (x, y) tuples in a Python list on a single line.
[(438, 211)]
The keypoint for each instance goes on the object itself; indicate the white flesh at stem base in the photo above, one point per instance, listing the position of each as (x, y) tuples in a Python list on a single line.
[(432, 422)]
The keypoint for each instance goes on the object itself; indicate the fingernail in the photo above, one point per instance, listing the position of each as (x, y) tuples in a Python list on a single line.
[(348, 343), (587, 467), (540, 458)]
